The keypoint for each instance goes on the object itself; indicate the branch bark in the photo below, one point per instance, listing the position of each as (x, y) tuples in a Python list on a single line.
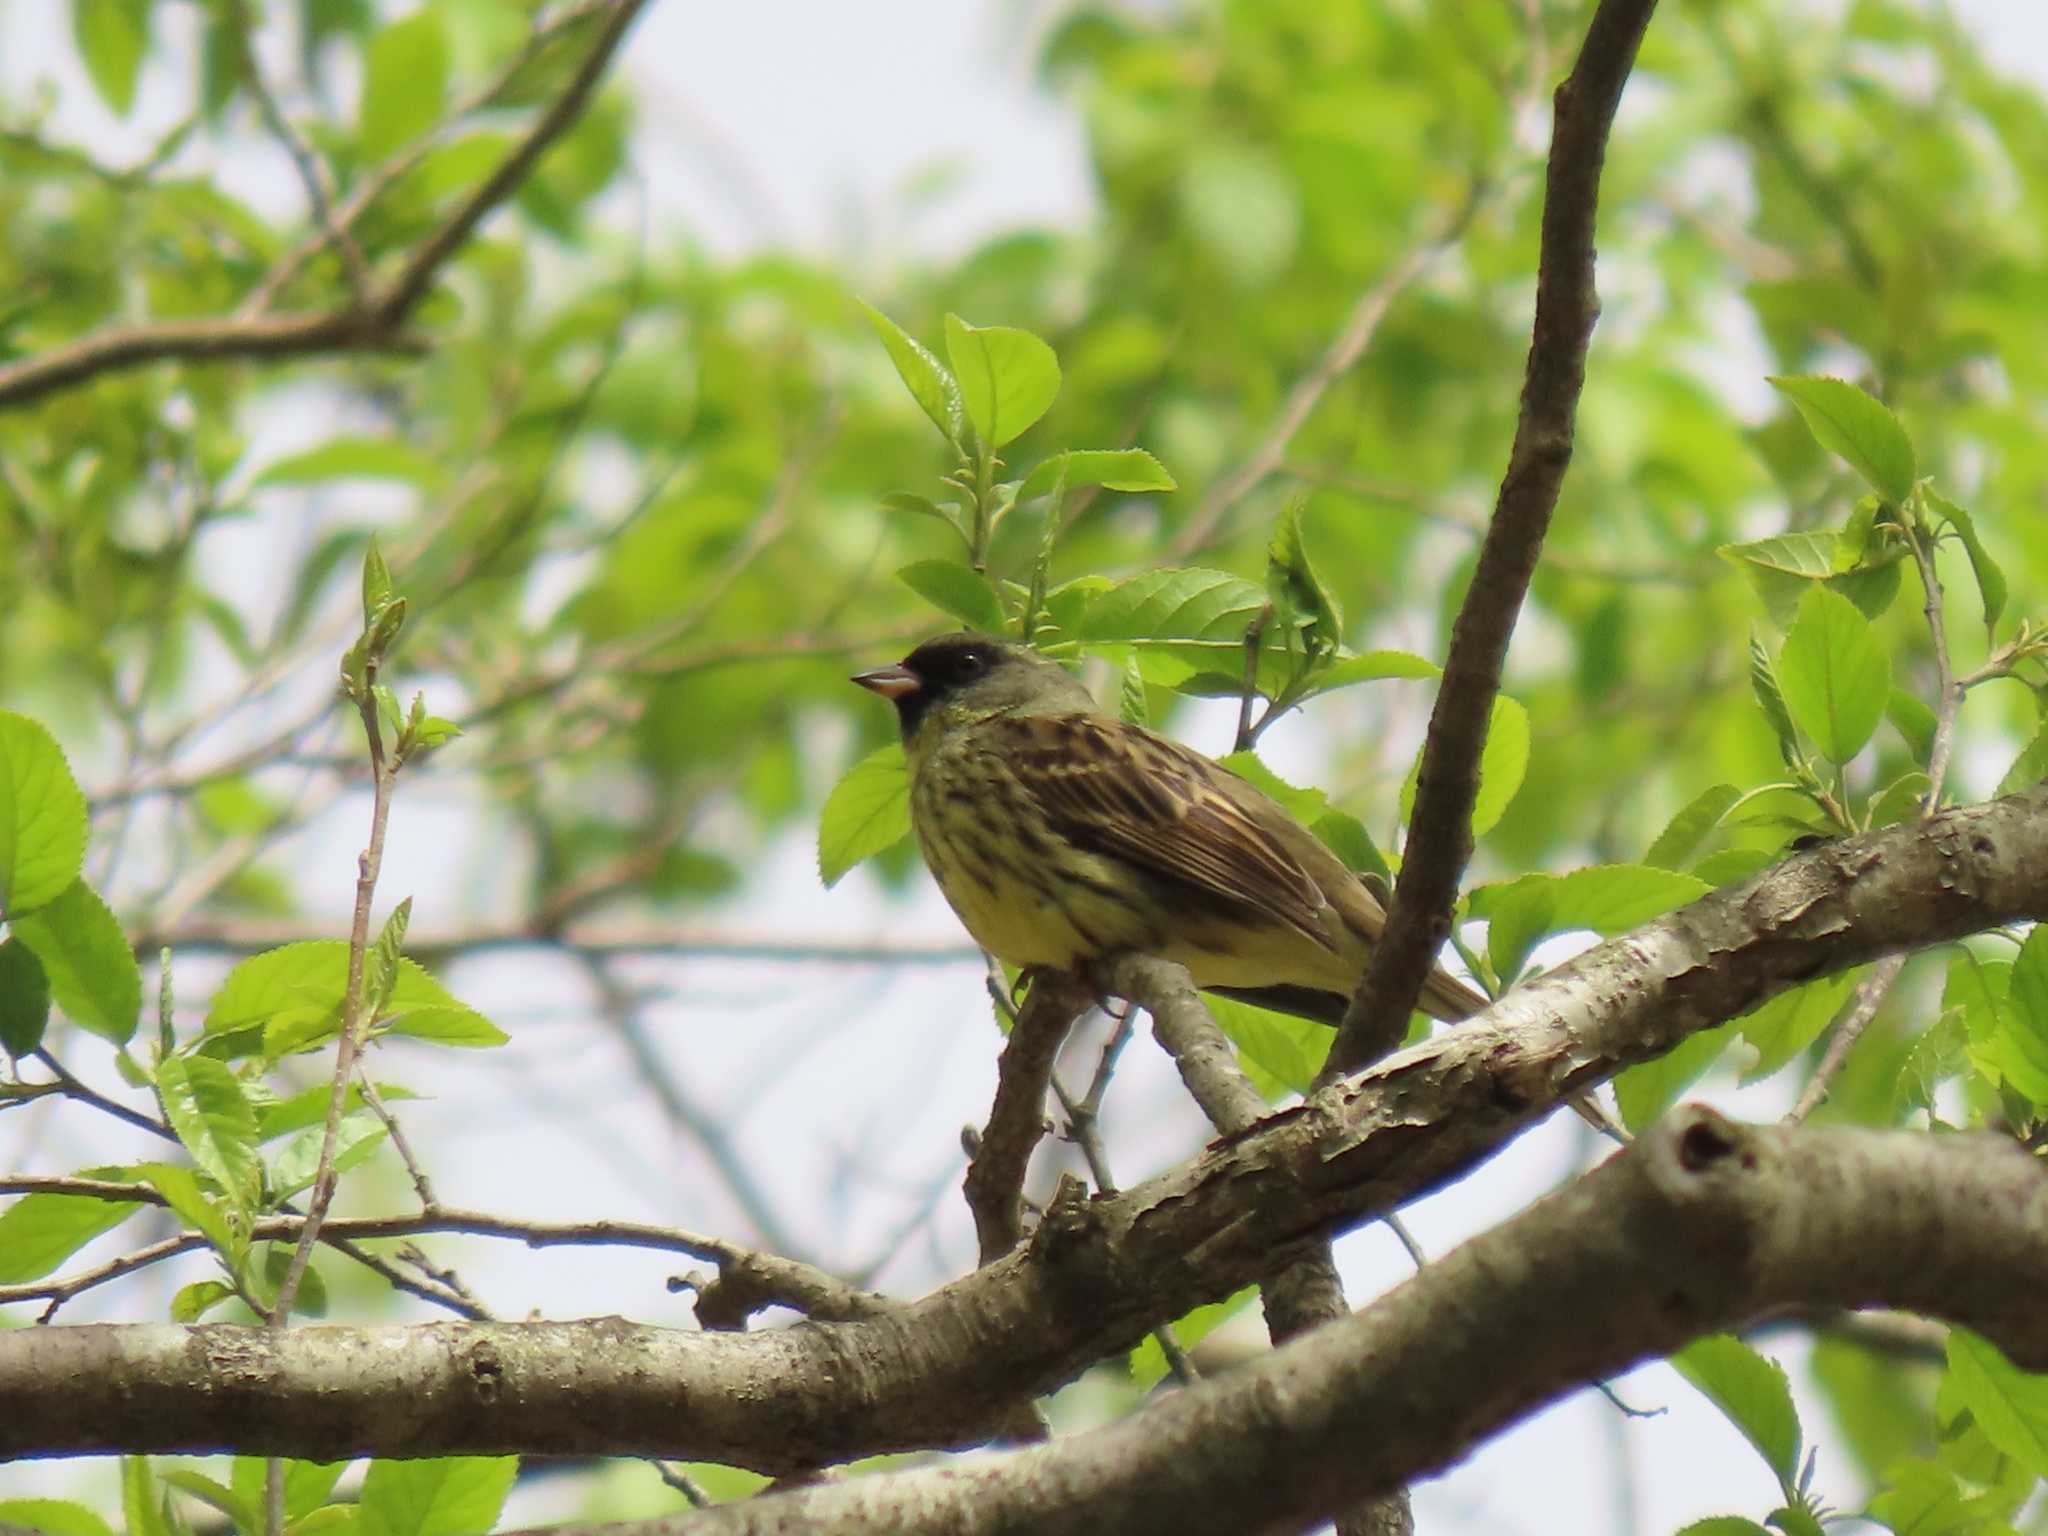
[(1096, 1274)]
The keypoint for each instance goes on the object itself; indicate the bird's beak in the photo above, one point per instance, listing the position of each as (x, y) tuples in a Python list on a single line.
[(890, 682)]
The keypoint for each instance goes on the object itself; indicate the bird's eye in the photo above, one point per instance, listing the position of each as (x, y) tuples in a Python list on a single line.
[(971, 662)]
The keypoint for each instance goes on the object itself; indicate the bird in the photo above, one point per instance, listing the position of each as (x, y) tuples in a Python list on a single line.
[(1060, 835)]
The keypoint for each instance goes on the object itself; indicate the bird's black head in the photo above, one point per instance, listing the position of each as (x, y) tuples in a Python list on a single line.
[(938, 671)]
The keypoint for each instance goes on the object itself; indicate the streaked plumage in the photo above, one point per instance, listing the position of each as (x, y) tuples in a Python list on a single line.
[(1059, 833)]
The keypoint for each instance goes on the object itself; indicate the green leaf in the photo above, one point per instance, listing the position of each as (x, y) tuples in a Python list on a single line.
[(380, 961), (1785, 566), (1518, 915), (1370, 666), (1899, 800), (1345, 835), (1978, 988), (1682, 836), (1644, 1092), (1148, 1360), (1281, 1053), (1934, 1058), (1613, 898), (1730, 865), (52, 1517), (2020, 1038), (295, 993), (1752, 1393), (1114, 469), (1181, 623), (1502, 763), (1794, 1520), (2010, 1405), (194, 1301), (958, 590), (1806, 554), (1858, 429), (377, 589), (24, 999), (111, 37), (198, 1208), (936, 391), (90, 967), (205, 1105), (1770, 698), (306, 1483), (867, 811), (1990, 578), (1008, 378), (1295, 589), (296, 1164), (267, 1282), (923, 506), (309, 1107), (448, 1496), (356, 458), (1876, 1401), (1791, 1021), (405, 78), (245, 1517), (1724, 1525), (1925, 1498), (140, 1505), (2030, 767), (449, 1023), (38, 1232), (1834, 674), (42, 817), (1913, 720)]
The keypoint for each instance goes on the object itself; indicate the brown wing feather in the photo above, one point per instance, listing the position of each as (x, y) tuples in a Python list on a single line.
[(1118, 789)]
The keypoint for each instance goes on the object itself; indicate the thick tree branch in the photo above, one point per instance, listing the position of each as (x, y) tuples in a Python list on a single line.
[(1440, 830), (1096, 1274), (1703, 1225)]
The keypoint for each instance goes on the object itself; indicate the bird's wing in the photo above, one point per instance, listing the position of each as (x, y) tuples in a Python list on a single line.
[(1118, 789)]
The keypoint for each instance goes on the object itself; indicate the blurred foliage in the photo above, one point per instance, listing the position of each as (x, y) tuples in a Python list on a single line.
[(648, 504)]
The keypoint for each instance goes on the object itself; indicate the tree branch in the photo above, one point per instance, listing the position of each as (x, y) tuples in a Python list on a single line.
[(1440, 830), (1703, 1225), (1096, 1274)]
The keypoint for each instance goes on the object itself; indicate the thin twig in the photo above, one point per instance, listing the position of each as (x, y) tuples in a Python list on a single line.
[(1869, 997), (994, 1185), (422, 1186), (383, 773), (777, 1280)]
